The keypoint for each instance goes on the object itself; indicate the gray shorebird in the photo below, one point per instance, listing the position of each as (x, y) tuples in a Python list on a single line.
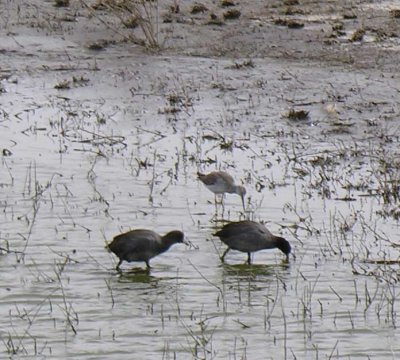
[(220, 182), (142, 245), (249, 236)]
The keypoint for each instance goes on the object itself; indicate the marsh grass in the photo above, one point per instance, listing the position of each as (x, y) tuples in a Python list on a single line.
[(34, 191), (136, 13), (22, 337), (343, 281)]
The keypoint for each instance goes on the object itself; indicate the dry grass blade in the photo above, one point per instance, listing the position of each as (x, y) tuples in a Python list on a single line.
[(133, 13)]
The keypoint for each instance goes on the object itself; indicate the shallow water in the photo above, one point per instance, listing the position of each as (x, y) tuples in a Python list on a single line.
[(113, 154)]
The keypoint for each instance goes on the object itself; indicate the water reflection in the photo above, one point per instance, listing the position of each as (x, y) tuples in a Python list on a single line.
[(246, 271), (142, 282), (254, 273), (253, 285), (137, 275)]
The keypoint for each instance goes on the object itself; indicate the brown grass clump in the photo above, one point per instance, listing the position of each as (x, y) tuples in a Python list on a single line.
[(198, 8), (136, 13), (395, 13), (290, 23), (296, 115), (232, 14), (227, 3), (61, 3), (358, 35)]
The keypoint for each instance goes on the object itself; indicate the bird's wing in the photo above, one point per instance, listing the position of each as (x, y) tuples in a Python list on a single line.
[(243, 227), (226, 177), (209, 179), (260, 228), (135, 241), (245, 236)]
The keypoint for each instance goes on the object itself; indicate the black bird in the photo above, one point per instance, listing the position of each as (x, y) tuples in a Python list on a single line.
[(249, 236), (142, 245)]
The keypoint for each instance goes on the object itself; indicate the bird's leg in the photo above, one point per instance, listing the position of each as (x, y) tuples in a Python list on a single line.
[(148, 267), (223, 205), (216, 205), (118, 266), (223, 255), (249, 258)]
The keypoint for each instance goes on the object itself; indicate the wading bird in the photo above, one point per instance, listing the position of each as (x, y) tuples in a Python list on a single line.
[(220, 182), (249, 236), (142, 245)]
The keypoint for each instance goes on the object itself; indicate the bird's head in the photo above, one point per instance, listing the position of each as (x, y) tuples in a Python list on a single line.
[(284, 246), (175, 236)]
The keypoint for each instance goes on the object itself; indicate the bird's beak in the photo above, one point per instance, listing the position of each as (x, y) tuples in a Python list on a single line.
[(288, 256), (244, 206), (186, 242), (190, 244)]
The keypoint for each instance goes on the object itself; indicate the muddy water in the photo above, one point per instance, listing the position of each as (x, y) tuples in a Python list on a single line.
[(119, 149)]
